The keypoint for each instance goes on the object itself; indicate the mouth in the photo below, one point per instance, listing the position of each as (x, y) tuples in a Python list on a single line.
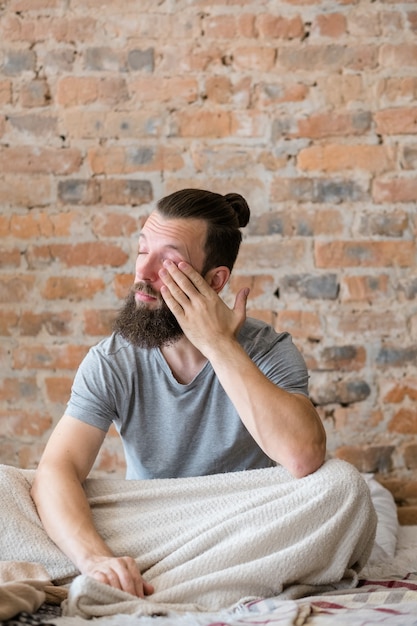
[(144, 294), (140, 296)]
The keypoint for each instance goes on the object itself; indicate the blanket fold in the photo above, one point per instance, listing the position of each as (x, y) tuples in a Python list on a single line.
[(206, 543), (25, 587)]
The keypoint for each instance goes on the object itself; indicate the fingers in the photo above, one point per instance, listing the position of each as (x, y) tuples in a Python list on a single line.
[(122, 573), (241, 300), (183, 280)]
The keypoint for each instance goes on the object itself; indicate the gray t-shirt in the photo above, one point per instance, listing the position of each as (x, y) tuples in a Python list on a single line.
[(170, 429)]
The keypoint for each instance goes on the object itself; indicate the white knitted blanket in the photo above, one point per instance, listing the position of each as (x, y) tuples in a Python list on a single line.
[(206, 543)]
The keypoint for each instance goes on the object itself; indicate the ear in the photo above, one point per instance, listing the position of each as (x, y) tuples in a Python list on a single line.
[(218, 277)]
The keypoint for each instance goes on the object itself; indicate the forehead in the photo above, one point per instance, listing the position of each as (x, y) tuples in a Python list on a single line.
[(177, 232)]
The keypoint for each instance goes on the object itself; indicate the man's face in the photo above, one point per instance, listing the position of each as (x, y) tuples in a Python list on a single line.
[(145, 320)]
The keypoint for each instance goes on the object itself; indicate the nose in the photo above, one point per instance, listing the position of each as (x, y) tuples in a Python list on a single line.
[(147, 268)]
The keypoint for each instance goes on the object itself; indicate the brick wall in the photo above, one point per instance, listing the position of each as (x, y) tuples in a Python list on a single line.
[(307, 108)]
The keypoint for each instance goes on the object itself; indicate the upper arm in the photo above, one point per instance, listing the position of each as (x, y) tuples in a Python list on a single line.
[(73, 445)]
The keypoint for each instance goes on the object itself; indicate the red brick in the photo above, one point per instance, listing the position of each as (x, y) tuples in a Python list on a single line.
[(200, 123), (122, 192), (318, 190), (407, 515), (412, 20), (32, 5), (259, 284), (368, 323), (10, 257), (271, 161), (220, 27), (4, 225), (19, 423), (397, 88), (398, 391), (330, 124), (65, 357), (397, 189), (35, 94), (97, 253), (120, 160), (110, 462), (40, 125), (398, 56), (8, 321), (334, 158), (58, 388), (341, 90), (267, 94), (99, 322), (410, 456), (261, 314), (86, 124), (222, 90), (81, 90), (5, 91), (333, 57), (404, 421), (226, 159), (271, 254), (258, 59), (249, 124), (25, 191), (342, 358), (164, 89), (398, 121), (24, 388), (364, 288), (30, 225), (28, 456), (122, 283), (408, 158), (55, 324), (404, 491), (277, 27), (393, 223), (29, 160), (114, 225), (43, 28), (367, 458), (330, 24), (16, 288), (71, 288), (300, 324), (364, 253)]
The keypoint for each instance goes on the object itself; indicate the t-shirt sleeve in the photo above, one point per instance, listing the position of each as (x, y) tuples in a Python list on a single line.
[(92, 394), (280, 360)]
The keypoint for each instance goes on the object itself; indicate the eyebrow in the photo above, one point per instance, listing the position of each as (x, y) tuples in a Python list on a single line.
[(170, 246)]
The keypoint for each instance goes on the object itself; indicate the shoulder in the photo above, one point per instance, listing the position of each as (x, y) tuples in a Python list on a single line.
[(256, 333), (112, 345), (114, 351)]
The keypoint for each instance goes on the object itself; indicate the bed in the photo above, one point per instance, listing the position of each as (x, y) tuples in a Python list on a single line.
[(386, 592)]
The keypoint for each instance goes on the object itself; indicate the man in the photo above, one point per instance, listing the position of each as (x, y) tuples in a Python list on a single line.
[(193, 387)]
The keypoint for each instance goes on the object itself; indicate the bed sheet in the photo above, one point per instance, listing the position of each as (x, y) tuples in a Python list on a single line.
[(386, 595)]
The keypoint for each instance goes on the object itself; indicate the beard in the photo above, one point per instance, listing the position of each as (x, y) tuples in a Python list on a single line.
[(144, 327)]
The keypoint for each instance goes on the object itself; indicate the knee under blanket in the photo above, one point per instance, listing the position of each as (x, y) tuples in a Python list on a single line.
[(206, 543)]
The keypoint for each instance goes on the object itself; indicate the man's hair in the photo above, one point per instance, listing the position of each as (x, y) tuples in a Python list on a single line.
[(225, 215)]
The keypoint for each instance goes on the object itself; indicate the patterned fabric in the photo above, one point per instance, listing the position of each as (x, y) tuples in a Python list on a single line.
[(383, 602)]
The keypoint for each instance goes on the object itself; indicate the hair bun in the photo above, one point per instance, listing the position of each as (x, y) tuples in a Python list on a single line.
[(240, 206)]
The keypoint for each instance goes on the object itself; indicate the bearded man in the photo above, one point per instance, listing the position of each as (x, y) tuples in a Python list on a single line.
[(194, 387)]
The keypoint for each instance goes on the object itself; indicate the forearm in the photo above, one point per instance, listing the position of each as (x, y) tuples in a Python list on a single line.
[(285, 425), (65, 513)]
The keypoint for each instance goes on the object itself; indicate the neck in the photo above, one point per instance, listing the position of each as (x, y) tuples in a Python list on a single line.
[(184, 360)]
